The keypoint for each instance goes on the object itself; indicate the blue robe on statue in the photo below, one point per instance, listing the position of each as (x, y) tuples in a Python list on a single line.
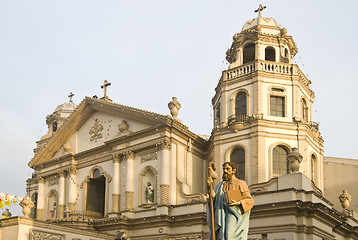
[(231, 222)]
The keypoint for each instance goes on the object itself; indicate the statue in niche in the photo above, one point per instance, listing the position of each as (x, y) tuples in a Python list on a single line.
[(149, 193), (53, 211)]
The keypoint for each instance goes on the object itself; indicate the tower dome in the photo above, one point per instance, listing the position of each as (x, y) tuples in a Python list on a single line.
[(55, 120)]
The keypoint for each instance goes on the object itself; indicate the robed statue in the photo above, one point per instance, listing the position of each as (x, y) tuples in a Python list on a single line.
[(230, 204), (149, 193)]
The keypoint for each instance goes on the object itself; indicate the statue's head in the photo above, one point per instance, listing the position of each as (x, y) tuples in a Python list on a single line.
[(229, 170), (149, 184)]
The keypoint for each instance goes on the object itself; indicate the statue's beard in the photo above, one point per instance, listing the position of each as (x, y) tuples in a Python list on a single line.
[(226, 176)]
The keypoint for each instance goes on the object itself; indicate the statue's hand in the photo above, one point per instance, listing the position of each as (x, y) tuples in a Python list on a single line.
[(234, 203), (209, 180)]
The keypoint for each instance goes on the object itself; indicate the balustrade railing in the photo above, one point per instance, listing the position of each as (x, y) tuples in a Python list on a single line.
[(266, 66), (238, 118), (240, 71), (275, 67)]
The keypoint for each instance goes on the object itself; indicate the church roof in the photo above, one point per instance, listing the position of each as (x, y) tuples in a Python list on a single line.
[(86, 109)]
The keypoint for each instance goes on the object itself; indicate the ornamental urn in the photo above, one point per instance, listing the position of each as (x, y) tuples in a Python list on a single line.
[(294, 159)]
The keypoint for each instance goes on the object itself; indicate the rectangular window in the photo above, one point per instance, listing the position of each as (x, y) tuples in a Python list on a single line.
[(277, 106)]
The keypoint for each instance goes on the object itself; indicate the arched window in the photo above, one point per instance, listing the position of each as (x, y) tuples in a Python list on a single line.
[(314, 168), (304, 110), (238, 157), (240, 104), (249, 53), (96, 194), (279, 161), (54, 126), (286, 53), (270, 54)]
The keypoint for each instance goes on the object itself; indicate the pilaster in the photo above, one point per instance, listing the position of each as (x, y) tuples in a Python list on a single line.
[(40, 198), (164, 172), (61, 194), (116, 185), (130, 180), (72, 193)]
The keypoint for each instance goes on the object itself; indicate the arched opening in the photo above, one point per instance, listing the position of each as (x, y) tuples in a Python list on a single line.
[(240, 104), (96, 188), (304, 110), (238, 157), (279, 161), (286, 53), (249, 53), (33, 213), (148, 186), (270, 54), (314, 168)]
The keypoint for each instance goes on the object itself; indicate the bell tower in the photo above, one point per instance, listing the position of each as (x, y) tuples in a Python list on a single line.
[(263, 106)]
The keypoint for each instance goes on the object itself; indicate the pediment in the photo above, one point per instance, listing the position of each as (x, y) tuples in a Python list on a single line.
[(94, 123)]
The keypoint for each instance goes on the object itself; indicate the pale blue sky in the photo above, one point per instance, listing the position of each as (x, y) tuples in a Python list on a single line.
[(153, 50)]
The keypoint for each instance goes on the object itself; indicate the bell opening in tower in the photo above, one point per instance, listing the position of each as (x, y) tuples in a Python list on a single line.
[(249, 53)]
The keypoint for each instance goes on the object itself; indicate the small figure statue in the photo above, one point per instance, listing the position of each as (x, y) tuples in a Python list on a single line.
[(149, 193), (232, 203), (6, 213), (26, 205), (174, 107)]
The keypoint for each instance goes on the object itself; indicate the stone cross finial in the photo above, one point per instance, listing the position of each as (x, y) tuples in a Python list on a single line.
[(70, 96), (104, 86), (260, 9)]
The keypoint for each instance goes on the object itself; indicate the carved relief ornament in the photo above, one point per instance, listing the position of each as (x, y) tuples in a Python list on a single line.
[(39, 235), (96, 130)]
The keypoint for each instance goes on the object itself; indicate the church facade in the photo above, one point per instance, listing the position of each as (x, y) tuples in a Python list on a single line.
[(107, 168)]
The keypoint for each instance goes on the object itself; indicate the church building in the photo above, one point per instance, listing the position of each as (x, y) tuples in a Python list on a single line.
[(106, 168)]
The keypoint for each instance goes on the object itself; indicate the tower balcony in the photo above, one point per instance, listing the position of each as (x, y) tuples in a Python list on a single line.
[(266, 66), (236, 122)]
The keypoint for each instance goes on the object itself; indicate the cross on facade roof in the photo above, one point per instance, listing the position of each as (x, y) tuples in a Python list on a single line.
[(260, 9), (70, 96), (104, 86)]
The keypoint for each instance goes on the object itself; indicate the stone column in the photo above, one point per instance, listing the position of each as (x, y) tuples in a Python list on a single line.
[(40, 198), (164, 178), (116, 186), (130, 180), (72, 191), (61, 194)]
